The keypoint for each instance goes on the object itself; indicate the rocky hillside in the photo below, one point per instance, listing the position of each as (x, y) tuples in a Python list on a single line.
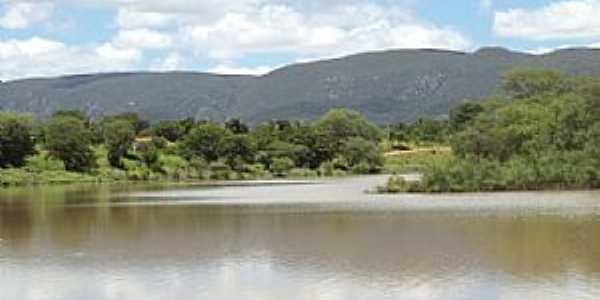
[(391, 86)]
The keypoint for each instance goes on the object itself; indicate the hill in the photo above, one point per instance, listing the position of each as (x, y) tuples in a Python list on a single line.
[(392, 86)]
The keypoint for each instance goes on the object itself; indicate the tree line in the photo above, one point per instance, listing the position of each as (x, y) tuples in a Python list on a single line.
[(540, 131), (340, 141)]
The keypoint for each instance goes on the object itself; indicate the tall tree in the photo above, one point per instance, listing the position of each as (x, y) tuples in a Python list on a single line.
[(68, 139), (16, 142), (119, 136)]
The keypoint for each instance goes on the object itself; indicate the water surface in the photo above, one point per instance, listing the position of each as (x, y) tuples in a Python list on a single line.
[(325, 240)]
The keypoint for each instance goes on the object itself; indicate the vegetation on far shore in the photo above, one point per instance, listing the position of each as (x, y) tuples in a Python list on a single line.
[(70, 147), (541, 132)]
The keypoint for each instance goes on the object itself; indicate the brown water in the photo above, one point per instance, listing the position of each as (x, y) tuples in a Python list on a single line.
[(309, 241)]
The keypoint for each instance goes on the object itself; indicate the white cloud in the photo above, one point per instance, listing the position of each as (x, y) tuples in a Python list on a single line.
[(21, 15), (341, 30), (171, 62), (130, 19), (225, 32), (226, 69), (115, 53), (143, 38), (42, 57), (558, 20), (546, 50)]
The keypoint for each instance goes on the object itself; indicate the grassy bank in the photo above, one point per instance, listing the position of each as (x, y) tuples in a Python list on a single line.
[(416, 160), (41, 169)]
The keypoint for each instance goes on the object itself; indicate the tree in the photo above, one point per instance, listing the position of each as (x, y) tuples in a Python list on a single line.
[(429, 130), (236, 126), (68, 139), (134, 119), (119, 136), (170, 130), (281, 166), (357, 150), (16, 142), (340, 124), (205, 141), (523, 84), (148, 153), (462, 115), (237, 148), (73, 113)]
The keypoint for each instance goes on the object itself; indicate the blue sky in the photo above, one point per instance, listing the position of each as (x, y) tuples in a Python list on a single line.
[(49, 38)]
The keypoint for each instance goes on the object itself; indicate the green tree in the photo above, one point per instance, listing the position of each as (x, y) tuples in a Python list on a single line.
[(68, 139), (148, 153), (523, 83), (357, 150), (119, 136), (236, 149), (205, 141), (340, 124), (16, 139), (173, 131), (236, 126), (134, 119), (464, 114), (73, 113), (281, 166)]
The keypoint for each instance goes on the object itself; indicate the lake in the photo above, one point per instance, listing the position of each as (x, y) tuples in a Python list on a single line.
[(305, 240)]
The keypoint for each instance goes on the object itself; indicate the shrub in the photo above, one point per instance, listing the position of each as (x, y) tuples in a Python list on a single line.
[(281, 166), (16, 142), (68, 139)]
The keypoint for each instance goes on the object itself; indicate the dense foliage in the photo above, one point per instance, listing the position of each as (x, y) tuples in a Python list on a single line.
[(69, 140), (542, 131), (16, 139), (125, 146)]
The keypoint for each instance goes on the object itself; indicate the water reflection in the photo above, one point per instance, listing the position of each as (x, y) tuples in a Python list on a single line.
[(73, 243)]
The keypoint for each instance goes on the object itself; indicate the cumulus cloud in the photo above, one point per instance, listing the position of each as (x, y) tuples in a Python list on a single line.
[(23, 14), (172, 62), (341, 30), (546, 50), (227, 69), (129, 19), (558, 20), (224, 33), (143, 38), (43, 57)]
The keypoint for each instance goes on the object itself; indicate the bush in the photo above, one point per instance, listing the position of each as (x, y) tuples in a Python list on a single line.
[(148, 153), (395, 184), (220, 171), (16, 141), (68, 139), (41, 163), (302, 172), (119, 136), (327, 169), (160, 142), (281, 166)]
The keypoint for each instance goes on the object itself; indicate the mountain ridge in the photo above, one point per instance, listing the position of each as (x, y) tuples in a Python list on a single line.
[(386, 86)]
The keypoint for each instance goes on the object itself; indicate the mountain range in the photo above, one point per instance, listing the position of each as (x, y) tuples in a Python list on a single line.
[(387, 87)]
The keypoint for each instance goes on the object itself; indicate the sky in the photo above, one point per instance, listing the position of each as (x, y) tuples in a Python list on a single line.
[(58, 37)]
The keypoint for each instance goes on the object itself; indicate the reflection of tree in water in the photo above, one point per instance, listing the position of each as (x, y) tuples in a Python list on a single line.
[(385, 247), (16, 224)]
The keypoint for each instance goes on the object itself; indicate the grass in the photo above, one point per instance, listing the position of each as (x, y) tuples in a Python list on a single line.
[(417, 160), (41, 169)]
